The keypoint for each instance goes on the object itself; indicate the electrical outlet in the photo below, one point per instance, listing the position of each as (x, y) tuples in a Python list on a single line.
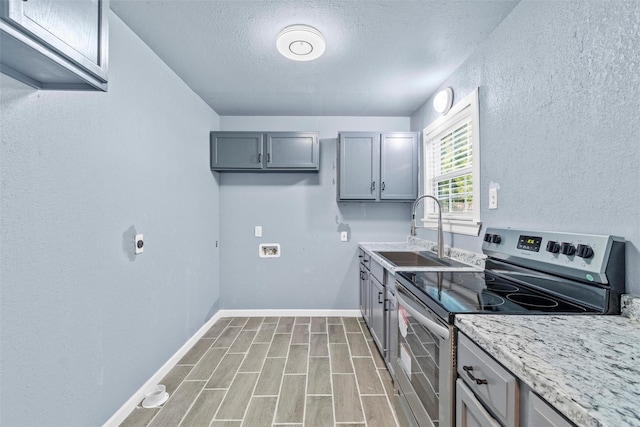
[(493, 198), (344, 236), (257, 232)]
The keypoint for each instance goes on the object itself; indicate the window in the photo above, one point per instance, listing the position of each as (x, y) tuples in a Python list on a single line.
[(452, 168)]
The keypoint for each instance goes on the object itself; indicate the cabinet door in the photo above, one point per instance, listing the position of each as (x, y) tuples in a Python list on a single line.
[(399, 166), (377, 313), (364, 293), (39, 36), (391, 328), (293, 150), (236, 150), (358, 166), (469, 410), (540, 414)]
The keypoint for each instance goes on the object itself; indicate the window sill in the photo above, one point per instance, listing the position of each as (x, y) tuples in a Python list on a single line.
[(468, 227)]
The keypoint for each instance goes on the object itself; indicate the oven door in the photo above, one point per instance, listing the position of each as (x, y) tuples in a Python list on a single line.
[(423, 364)]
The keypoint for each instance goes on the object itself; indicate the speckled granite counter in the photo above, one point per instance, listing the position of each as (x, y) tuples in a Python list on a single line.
[(474, 261), (588, 367)]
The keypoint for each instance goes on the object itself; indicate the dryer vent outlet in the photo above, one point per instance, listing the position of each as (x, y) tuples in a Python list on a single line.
[(139, 244)]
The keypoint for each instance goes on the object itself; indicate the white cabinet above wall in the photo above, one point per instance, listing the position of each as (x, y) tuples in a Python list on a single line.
[(53, 44)]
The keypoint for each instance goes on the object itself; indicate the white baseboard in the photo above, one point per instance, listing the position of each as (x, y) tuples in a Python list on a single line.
[(128, 407)]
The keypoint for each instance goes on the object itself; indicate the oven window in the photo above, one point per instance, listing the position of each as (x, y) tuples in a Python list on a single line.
[(419, 354)]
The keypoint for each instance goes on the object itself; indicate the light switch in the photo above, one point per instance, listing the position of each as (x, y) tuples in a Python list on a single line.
[(258, 231)]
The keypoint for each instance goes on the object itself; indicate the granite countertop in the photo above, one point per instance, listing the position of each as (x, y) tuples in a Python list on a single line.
[(588, 367), (474, 261)]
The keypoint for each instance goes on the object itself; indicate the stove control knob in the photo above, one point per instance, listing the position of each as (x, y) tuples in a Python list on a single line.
[(487, 237), (584, 251), (553, 247), (495, 238), (567, 249)]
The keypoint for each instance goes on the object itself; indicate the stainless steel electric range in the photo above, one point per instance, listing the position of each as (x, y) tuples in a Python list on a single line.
[(527, 272)]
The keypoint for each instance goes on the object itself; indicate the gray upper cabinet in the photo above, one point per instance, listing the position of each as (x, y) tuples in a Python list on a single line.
[(399, 166), (374, 166), (293, 150), (358, 165), (236, 150), (53, 44), (265, 151)]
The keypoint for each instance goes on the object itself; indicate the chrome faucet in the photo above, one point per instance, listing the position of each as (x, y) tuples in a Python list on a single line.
[(414, 226)]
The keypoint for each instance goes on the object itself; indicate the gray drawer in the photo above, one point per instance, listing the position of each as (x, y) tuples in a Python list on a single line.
[(377, 270), (500, 394), (364, 258)]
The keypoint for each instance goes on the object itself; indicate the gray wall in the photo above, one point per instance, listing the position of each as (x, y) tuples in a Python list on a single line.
[(559, 121), (84, 322), (299, 211)]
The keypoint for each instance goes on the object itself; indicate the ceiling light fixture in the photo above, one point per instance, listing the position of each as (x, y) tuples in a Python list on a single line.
[(443, 100), (300, 43)]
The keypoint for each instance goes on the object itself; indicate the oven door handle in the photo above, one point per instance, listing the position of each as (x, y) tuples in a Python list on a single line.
[(432, 326)]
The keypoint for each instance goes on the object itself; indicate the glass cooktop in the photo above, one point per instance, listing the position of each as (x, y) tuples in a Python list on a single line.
[(484, 293)]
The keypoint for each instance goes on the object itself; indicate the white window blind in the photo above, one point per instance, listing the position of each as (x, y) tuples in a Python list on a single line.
[(451, 158)]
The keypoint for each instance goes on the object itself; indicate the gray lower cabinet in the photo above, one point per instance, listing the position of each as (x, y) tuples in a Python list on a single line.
[(373, 299), (391, 323), (365, 301), (376, 324), (496, 387), (265, 151), (53, 44), (469, 410), (541, 414), (375, 166), (488, 395)]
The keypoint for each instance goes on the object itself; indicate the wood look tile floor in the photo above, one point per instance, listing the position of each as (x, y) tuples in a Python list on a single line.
[(277, 371)]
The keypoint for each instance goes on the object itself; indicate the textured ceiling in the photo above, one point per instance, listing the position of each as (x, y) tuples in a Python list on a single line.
[(383, 57)]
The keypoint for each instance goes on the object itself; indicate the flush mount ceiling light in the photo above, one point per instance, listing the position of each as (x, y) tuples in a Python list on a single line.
[(443, 100), (300, 43)]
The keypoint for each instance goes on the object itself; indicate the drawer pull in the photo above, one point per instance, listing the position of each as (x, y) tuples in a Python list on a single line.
[(468, 370)]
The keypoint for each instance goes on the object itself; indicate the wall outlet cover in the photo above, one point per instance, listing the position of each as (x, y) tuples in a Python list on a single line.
[(344, 236), (257, 231)]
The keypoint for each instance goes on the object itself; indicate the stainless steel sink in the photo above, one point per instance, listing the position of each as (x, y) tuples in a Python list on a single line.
[(414, 259)]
